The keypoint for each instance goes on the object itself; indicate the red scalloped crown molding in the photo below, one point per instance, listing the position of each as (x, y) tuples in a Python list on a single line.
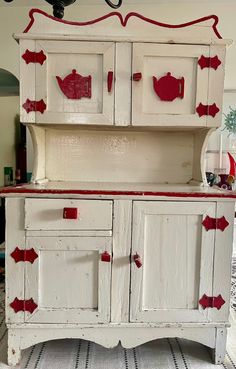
[(124, 21)]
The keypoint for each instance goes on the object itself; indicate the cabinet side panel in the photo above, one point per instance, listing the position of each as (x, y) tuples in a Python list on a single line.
[(27, 78), (222, 262), (121, 263), (15, 237), (216, 85)]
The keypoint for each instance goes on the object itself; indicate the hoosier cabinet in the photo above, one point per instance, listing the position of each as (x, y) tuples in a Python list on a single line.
[(118, 238)]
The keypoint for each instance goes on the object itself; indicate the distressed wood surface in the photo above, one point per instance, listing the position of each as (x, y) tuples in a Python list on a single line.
[(68, 281), (15, 237), (47, 214), (181, 61), (120, 287), (177, 253)]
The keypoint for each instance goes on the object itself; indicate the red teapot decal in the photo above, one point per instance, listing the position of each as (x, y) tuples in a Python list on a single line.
[(168, 88), (74, 86)]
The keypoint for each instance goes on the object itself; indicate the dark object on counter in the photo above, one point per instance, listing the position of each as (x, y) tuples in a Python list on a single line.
[(211, 178), (225, 183)]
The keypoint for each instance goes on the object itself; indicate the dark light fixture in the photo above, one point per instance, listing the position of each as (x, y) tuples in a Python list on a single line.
[(59, 5)]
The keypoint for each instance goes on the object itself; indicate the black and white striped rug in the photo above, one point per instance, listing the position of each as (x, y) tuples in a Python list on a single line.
[(173, 353)]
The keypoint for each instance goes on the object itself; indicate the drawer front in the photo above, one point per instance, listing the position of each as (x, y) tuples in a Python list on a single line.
[(65, 214)]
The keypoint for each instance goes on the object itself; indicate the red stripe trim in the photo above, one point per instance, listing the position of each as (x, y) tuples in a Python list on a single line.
[(18, 190), (125, 20)]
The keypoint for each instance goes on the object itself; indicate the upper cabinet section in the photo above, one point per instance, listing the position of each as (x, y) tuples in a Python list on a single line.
[(143, 73)]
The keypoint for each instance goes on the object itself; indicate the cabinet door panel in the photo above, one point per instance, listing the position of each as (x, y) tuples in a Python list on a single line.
[(68, 281), (154, 106), (177, 256), (69, 99)]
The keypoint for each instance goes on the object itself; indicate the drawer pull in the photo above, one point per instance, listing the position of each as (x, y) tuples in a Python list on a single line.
[(70, 213), (137, 260), (137, 77), (106, 257), (109, 81)]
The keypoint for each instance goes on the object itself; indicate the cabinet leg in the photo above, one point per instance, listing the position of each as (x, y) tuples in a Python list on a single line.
[(220, 348), (13, 349)]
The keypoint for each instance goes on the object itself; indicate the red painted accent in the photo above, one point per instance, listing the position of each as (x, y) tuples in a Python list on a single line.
[(232, 165), (137, 77), (24, 255), (74, 86), (106, 257), (109, 81), (207, 110), (125, 20), (211, 302), (137, 260), (215, 223), (30, 105), (20, 189), (70, 213), (206, 62), (168, 88), (34, 57), (23, 305)]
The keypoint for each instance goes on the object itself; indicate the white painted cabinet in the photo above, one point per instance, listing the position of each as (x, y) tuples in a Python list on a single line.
[(117, 240)]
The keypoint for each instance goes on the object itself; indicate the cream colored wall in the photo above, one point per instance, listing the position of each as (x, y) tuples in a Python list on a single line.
[(9, 107)]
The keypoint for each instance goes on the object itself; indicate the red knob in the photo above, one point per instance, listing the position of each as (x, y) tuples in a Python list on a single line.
[(106, 257), (70, 213), (137, 260), (137, 77)]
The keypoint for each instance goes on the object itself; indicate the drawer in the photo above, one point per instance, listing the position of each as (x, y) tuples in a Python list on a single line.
[(60, 214)]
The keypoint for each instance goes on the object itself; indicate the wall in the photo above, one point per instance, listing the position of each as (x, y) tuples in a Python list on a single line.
[(8, 109)]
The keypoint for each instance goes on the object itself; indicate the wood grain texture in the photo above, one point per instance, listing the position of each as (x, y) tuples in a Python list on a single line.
[(121, 261), (91, 58), (177, 253), (68, 281), (47, 214), (222, 262), (28, 88), (15, 237)]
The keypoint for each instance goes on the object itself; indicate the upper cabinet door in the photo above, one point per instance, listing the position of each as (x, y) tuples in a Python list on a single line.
[(170, 85), (74, 83)]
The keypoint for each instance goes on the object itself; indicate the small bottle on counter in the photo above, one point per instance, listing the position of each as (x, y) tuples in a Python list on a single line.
[(8, 176)]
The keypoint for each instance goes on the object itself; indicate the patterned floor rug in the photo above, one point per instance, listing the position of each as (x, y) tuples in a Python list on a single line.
[(171, 353)]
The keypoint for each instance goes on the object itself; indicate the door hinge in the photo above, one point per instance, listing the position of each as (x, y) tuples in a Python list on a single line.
[(211, 302)]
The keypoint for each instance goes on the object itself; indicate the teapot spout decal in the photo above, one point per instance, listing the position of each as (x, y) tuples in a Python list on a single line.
[(74, 86), (168, 88)]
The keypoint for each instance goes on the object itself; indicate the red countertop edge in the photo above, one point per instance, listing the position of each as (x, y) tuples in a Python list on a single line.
[(22, 190), (125, 20)]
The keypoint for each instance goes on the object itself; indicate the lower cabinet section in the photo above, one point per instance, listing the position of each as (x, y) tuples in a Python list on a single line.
[(177, 274)]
